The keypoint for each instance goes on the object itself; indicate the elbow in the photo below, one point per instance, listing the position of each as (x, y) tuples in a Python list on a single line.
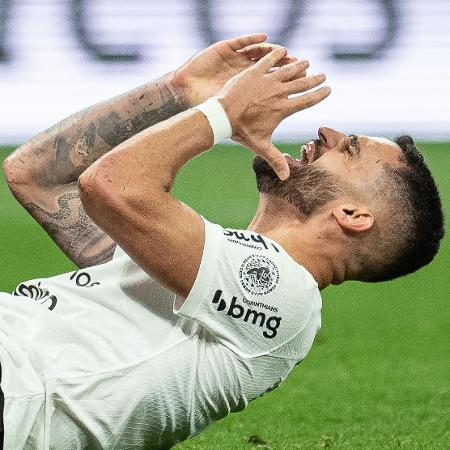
[(111, 195), (97, 193), (91, 191), (7, 169), (19, 171), (14, 174)]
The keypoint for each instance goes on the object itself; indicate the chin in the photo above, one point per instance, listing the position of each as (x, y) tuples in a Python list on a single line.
[(266, 178), (262, 168), (308, 188), (265, 175)]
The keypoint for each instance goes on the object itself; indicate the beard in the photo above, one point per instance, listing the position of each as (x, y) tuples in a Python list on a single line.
[(308, 188)]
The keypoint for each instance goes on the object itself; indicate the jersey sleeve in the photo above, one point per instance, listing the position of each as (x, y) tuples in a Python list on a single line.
[(118, 252), (252, 296)]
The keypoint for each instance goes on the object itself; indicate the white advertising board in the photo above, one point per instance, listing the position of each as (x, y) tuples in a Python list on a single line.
[(387, 61)]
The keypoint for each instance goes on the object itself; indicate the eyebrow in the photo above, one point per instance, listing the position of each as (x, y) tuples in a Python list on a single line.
[(355, 142)]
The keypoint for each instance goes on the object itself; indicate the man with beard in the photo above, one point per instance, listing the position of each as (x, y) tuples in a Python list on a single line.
[(191, 321)]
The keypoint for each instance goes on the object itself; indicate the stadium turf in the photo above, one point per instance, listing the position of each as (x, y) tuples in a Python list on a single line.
[(378, 375)]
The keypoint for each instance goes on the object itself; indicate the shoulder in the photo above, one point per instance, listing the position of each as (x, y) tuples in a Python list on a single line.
[(265, 266), (251, 293), (250, 239)]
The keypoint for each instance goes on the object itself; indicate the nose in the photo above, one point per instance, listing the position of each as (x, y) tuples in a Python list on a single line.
[(330, 138)]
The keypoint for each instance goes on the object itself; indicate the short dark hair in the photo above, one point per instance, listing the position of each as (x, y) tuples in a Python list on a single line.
[(423, 219)]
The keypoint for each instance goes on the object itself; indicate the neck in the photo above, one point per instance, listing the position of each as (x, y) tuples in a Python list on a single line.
[(308, 241)]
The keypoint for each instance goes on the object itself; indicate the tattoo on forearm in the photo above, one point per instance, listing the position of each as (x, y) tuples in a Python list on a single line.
[(63, 152), (73, 230), (113, 129), (89, 134)]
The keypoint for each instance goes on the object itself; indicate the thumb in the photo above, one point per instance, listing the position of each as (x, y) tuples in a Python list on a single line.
[(276, 160)]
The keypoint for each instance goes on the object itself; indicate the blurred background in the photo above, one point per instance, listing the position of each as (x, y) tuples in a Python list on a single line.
[(378, 374), (387, 60)]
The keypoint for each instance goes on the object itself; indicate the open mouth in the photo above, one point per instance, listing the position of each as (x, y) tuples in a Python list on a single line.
[(310, 152)]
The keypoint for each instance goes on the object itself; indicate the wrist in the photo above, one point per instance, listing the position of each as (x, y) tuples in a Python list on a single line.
[(217, 117), (178, 87)]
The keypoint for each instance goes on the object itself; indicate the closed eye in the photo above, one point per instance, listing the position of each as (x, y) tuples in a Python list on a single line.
[(353, 145), (349, 147)]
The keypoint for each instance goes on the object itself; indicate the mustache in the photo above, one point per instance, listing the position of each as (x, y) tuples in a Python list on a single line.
[(318, 152)]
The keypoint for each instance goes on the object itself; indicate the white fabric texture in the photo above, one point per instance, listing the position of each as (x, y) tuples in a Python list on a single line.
[(217, 117), (98, 359)]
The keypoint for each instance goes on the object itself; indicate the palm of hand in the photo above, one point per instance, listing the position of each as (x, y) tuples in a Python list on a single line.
[(205, 74)]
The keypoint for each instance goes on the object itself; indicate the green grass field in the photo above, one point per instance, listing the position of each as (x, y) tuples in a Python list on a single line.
[(378, 375)]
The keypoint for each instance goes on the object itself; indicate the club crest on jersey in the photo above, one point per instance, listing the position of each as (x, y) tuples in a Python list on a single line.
[(259, 275)]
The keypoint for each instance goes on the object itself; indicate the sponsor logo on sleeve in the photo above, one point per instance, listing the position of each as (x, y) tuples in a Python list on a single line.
[(249, 239), (259, 275), (83, 279), (235, 310), (36, 293)]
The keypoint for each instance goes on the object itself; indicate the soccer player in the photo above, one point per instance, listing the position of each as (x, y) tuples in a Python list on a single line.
[(187, 321)]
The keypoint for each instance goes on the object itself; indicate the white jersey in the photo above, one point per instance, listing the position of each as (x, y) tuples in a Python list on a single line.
[(106, 357)]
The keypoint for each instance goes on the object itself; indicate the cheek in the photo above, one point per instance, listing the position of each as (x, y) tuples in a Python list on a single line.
[(350, 169), (333, 163), (369, 168)]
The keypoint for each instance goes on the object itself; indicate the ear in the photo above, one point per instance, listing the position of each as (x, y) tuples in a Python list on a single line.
[(353, 218)]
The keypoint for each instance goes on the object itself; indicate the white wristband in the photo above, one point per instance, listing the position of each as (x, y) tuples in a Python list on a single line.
[(218, 120)]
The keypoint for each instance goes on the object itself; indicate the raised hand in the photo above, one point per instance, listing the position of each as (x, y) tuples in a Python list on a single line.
[(206, 73), (259, 98)]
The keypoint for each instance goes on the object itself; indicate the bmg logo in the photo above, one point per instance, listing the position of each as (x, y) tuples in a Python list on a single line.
[(237, 311)]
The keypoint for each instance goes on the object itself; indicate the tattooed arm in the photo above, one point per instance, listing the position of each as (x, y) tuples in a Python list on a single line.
[(43, 173)]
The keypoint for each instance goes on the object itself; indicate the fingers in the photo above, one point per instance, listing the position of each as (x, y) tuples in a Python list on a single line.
[(291, 70), (307, 100), (286, 60), (304, 84), (246, 40), (301, 74), (257, 51), (276, 160), (271, 59)]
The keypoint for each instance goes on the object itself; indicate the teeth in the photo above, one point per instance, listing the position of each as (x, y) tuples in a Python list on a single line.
[(308, 151)]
